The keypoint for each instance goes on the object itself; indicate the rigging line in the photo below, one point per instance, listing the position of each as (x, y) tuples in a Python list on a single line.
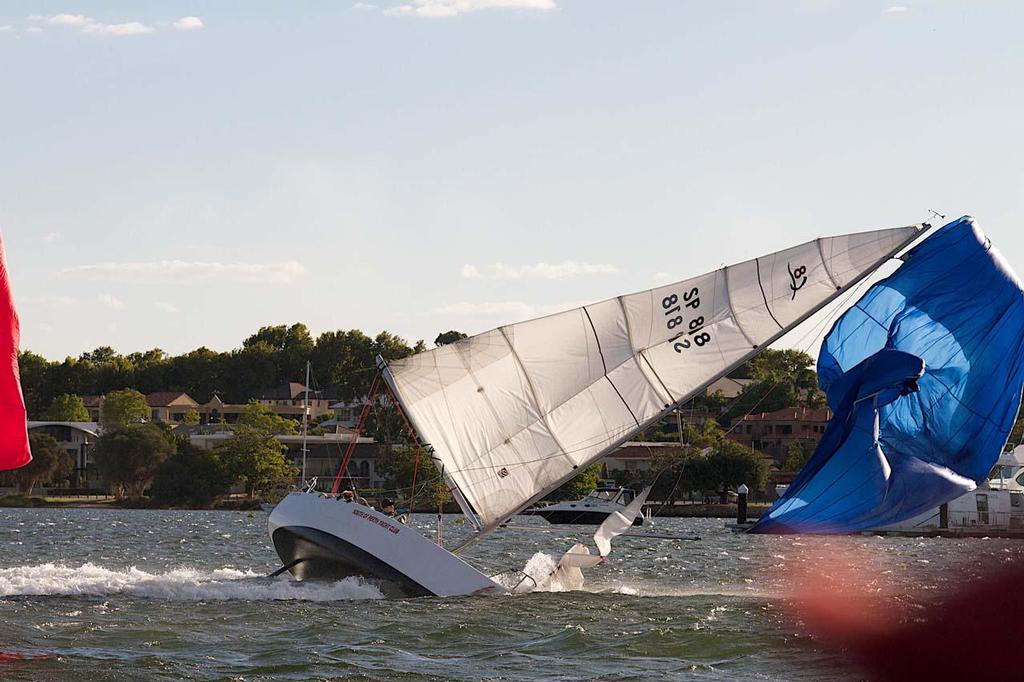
[(757, 264), (597, 339)]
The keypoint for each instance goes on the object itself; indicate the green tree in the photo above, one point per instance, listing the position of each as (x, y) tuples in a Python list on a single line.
[(123, 408), (796, 457), (49, 463), (779, 379), (262, 418), (444, 338), (128, 457), (580, 485), (253, 456), (191, 476), (398, 465), (67, 407), (36, 382), (728, 465), (191, 417)]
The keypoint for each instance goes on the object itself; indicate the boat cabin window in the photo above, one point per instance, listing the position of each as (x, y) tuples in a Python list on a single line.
[(982, 502), (1017, 500), (600, 494), (627, 496)]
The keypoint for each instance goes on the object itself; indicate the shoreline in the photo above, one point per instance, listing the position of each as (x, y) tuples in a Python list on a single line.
[(712, 511)]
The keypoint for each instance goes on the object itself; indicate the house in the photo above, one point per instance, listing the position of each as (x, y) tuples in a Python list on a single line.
[(323, 454), (727, 387), (288, 400), (77, 439), (774, 432), (170, 406), (636, 456)]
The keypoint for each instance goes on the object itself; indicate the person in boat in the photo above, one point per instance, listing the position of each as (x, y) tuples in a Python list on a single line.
[(347, 496), (387, 506)]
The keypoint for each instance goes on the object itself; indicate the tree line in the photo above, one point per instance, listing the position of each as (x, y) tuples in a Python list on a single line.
[(342, 361)]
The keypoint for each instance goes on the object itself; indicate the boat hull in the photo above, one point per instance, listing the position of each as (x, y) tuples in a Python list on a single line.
[(320, 538)]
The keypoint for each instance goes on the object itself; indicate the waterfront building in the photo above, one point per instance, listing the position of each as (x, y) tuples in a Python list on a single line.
[(77, 439), (775, 432)]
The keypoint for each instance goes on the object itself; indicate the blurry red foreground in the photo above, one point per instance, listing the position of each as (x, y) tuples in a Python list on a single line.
[(14, 451), (968, 635)]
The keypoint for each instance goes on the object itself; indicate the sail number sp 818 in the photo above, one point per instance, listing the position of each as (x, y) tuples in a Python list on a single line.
[(693, 332)]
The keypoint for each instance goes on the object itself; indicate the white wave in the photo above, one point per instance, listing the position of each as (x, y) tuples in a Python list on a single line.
[(181, 584)]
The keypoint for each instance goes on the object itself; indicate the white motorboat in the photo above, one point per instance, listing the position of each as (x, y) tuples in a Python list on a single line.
[(997, 505), (592, 510), (512, 414)]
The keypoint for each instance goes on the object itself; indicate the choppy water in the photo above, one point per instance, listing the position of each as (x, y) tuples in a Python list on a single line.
[(117, 595)]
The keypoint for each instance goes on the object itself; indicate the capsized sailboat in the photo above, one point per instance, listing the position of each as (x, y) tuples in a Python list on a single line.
[(511, 414), (924, 377)]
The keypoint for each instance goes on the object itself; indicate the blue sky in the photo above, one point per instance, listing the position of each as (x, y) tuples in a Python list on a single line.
[(179, 174)]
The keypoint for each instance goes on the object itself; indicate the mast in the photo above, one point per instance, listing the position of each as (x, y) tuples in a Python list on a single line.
[(305, 421)]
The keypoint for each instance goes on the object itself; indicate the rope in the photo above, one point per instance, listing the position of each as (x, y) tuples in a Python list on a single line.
[(343, 469)]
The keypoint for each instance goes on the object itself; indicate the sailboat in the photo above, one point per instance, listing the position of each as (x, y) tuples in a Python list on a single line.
[(513, 413)]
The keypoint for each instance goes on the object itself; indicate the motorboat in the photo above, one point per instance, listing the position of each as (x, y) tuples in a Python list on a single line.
[(995, 505), (592, 510)]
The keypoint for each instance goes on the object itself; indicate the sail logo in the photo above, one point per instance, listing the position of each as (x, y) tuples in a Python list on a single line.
[(502, 472), (797, 279)]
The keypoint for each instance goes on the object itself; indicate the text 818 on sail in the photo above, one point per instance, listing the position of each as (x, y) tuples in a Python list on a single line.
[(695, 328)]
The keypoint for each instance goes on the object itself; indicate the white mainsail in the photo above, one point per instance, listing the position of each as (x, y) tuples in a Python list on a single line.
[(513, 413)]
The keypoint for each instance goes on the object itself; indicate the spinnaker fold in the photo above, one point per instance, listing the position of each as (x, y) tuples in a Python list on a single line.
[(924, 377)]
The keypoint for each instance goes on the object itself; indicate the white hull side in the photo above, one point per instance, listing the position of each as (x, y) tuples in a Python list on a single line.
[(997, 510), (331, 538)]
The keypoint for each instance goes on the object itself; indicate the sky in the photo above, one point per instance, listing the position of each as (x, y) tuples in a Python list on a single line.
[(177, 175)]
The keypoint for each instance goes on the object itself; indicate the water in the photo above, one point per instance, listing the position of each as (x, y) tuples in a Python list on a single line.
[(93, 595)]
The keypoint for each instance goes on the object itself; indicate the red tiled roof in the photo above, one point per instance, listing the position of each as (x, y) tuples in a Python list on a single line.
[(165, 398), (791, 414)]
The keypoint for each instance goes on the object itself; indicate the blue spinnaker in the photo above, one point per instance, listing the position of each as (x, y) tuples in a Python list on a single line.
[(924, 378)]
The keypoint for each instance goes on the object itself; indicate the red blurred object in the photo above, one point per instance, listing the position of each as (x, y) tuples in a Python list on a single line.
[(14, 450), (971, 634)]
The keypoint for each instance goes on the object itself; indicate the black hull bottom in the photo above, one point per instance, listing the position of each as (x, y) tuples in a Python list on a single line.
[(571, 516), (312, 554)]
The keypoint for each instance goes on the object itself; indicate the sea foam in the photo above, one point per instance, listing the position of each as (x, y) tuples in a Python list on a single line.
[(181, 584)]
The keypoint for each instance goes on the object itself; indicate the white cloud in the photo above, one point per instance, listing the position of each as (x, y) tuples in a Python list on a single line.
[(110, 302), (6, 28), (189, 24), (363, 6), (193, 271), (568, 268), (662, 277), (70, 20), (51, 236), (896, 9), (167, 307), (437, 9), (130, 28), (87, 24), (506, 310)]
